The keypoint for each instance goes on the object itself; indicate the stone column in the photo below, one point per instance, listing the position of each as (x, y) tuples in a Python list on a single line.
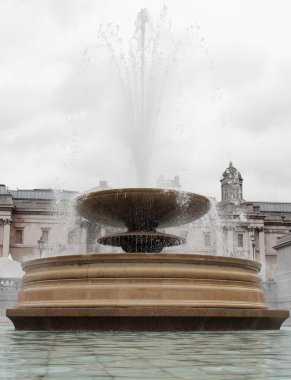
[(1, 234), (83, 239), (230, 249), (6, 237), (250, 254), (262, 253), (219, 242)]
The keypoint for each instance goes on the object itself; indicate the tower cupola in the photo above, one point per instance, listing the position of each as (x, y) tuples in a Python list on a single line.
[(231, 185)]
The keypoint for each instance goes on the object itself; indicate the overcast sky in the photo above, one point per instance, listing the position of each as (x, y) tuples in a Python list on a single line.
[(229, 96)]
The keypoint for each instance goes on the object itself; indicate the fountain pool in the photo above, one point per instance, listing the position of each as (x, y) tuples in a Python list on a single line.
[(145, 355)]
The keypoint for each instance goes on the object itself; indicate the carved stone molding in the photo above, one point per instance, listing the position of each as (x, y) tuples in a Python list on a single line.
[(256, 229), (228, 228)]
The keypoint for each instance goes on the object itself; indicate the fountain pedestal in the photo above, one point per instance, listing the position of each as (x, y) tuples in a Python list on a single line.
[(141, 212)]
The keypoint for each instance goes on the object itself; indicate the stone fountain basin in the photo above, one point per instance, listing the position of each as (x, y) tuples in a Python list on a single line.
[(142, 209), (141, 279), (142, 292)]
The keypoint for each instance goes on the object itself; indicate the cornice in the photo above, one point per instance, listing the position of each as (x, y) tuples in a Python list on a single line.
[(284, 241), (27, 212), (7, 208)]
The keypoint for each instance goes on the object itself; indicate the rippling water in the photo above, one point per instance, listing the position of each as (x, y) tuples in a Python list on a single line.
[(120, 355)]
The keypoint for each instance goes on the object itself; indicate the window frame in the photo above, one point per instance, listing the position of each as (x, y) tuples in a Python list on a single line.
[(240, 240), (16, 230)]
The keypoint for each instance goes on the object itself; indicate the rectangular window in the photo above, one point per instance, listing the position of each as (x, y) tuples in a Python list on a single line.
[(45, 236), (19, 236), (207, 240), (71, 238), (240, 240)]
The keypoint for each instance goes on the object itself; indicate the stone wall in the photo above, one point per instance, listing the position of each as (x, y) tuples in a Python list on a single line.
[(270, 291), (9, 288), (283, 276)]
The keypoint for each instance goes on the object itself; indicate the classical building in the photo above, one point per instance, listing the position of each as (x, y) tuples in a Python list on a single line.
[(164, 183), (30, 216), (237, 227), (251, 229), (42, 222)]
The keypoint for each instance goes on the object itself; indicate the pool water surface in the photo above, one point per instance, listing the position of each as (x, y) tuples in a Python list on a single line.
[(144, 355)]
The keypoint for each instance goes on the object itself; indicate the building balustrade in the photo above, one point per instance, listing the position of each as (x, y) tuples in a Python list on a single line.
[(10, 284)]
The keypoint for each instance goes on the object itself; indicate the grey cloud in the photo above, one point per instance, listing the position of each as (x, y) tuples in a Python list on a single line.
[(238, 66), (62, 121), (20, 105), (265, 106)]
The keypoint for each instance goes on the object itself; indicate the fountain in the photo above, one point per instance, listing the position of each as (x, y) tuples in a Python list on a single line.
[(142, 211), (143, 288)]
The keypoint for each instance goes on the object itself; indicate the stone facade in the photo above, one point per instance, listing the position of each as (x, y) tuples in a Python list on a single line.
[(239, 228), (233, 227), (28, 215), (283, 275), (163, 183), (251, 229)]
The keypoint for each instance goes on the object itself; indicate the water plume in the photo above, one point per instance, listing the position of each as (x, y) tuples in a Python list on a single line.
[(143, 65)]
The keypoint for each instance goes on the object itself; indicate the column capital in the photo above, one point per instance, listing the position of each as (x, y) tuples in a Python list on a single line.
[(256, 229), (228, 228), (6, 236)]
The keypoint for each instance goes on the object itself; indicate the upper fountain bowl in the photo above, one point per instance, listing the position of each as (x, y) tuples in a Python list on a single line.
[(142, 209)]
